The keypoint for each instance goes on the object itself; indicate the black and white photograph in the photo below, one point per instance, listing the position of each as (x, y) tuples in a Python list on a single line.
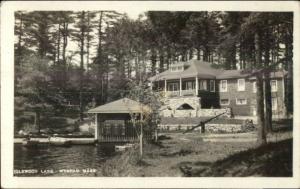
[(154, 93)]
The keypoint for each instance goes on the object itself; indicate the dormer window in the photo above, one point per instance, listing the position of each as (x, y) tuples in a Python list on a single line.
[(176, 68), (180, 68)]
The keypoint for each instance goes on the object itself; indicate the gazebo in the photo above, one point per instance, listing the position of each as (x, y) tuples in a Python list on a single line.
[(119, 121)]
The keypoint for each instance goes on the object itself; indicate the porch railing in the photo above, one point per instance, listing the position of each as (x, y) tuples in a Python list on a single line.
[(173, 93), (191, 92)]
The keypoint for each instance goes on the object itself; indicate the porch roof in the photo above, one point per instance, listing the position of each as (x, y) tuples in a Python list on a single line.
[(124, 105)]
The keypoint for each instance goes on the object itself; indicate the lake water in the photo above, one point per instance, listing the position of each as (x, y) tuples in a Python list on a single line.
[(77, 160)]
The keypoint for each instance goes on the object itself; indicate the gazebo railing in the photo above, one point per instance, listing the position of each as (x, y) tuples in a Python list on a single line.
[(123, 138), (123, 133)]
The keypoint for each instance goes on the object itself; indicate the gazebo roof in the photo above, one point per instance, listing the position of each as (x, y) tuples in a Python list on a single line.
[(124, 105)]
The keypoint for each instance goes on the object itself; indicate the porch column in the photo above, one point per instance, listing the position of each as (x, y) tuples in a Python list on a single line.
[(165, 87), (197, 86), (96, 128), (180, 86)]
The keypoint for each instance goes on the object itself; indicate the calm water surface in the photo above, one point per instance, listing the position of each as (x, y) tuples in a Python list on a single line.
[(77, 160)]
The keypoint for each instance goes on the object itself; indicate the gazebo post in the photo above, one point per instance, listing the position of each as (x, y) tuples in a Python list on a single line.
[(96, 128), (165, 88), (141, 136), (196, 85)]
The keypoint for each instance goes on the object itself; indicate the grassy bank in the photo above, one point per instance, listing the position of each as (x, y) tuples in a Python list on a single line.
[(188, 155)]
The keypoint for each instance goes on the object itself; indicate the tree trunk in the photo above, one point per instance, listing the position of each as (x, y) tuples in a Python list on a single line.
[(153, 61), (169, 56), (82, 30), (198, 54), (268, 102), (268, 94), (65, 43), (19, 48), (261, 138), (100, 68), (191, 53), (161, 62), (289, 62), (58, 44), (37, 121), (88, 42)]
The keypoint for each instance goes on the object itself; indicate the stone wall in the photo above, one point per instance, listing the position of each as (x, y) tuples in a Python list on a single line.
[(195, 113), (172, 105), (209, 128)]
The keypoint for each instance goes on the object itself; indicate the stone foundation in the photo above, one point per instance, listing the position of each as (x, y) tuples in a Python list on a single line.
[(174, 103), (172, 108)]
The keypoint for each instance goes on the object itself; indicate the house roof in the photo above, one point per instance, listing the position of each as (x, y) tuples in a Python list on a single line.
[(124, 105), (205, 70), (195, 68)]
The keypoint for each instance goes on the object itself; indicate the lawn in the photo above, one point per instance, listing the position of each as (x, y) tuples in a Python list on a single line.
[(178, 154)]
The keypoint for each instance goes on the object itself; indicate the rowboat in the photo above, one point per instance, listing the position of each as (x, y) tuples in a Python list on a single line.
[(59, 141), (29, 143)]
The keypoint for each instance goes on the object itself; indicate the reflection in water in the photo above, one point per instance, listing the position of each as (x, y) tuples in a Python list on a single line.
[(60, 161)]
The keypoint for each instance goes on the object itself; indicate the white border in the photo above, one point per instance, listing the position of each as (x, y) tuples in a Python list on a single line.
[(7, 38)]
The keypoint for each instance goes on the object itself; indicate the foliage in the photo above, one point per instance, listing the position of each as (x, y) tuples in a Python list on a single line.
[(71, 61)]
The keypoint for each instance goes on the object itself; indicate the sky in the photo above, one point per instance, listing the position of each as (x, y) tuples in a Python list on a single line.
[(133, 14)]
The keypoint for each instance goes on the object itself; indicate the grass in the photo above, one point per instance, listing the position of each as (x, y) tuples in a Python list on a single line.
[(188, 155)]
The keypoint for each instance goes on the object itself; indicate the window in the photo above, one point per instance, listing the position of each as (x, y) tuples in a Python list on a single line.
[(254, 86), (202, 85), (241, 101), (273, 84), (176, 68), (241, 84), (223, 86), (189, 85), (173, 69), (212, 85), (224, 101), (274, 103), (173, 86)]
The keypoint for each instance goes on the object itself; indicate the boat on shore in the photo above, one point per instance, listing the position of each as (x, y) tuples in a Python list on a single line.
[(121, 148), (82, 141), (59, 141), (29, 143)]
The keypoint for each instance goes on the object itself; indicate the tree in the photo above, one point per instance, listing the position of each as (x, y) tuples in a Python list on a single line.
[(231, 37), (33, 91), (79, 35), (100, 66)]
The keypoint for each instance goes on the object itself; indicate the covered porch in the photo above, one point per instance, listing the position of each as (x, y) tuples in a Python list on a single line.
[(183, 86), (120, 121)]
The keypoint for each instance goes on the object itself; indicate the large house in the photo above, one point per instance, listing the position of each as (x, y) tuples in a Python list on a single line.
[(193, 88)]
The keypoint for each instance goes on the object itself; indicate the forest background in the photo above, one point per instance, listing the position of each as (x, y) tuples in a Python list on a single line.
[(67, 62)]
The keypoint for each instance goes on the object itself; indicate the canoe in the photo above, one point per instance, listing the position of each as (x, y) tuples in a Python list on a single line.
[(123, 147), (59, 141), (82, 141)]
